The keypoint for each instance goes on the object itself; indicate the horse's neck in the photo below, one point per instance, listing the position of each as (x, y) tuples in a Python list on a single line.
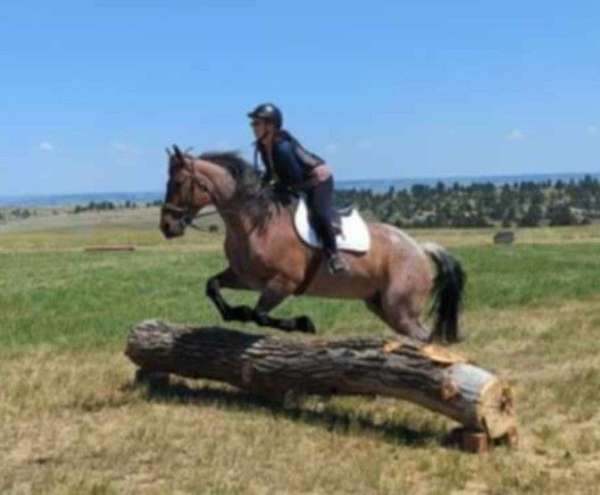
[(246, 223), (238, 220), (236, 223)]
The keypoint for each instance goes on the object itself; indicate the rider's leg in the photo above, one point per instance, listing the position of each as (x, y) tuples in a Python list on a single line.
[(319, 202)]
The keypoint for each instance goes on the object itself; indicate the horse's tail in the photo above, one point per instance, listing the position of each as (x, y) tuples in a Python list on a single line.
[(447, 292)]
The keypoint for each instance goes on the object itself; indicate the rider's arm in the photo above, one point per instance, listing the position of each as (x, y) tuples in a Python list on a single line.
[(315, 166), (267, 175), (306, 158)]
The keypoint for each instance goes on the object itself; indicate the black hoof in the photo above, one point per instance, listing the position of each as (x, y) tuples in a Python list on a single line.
[(262, 320), (304, 324), (239, 313)]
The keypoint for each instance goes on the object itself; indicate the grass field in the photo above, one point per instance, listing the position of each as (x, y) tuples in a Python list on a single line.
[(72, 422)]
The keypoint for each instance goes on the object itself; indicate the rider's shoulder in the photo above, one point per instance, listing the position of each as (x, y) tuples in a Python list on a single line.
[(284, 141), (284, 136)]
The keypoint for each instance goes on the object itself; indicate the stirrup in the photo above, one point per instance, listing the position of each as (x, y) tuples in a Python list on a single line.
[(337, 265)]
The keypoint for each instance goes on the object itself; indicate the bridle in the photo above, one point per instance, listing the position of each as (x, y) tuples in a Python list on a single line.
[(185, 214)]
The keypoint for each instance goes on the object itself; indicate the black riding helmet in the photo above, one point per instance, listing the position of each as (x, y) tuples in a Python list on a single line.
[(268, 112)]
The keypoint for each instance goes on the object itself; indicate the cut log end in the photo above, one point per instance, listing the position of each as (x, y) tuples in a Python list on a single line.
[(496, 409)]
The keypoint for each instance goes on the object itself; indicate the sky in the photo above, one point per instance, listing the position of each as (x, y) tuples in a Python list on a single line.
[(91, 92)]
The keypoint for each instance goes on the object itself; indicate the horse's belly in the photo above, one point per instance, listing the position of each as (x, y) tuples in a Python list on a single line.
[(341, 287)]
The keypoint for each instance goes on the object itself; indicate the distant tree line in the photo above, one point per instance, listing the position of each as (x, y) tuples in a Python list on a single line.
[(18, 213), (524, 204), (109, 205)]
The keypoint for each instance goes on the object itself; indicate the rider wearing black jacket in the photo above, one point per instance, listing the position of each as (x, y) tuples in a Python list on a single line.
[(291, 166)]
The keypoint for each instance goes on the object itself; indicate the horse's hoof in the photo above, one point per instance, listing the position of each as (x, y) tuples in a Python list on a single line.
[(304, 324), (239, 313), (261, 319)]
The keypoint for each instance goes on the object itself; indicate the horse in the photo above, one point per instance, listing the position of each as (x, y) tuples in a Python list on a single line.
[(395, 278)]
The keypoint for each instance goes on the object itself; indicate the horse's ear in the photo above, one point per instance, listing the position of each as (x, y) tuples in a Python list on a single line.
[(169, 154), (179, 155)]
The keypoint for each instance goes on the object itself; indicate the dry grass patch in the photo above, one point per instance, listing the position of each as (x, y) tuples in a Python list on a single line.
[(71, 422)]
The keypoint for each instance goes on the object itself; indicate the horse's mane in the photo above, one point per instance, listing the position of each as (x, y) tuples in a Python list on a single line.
[(249, 189), (231, 161)]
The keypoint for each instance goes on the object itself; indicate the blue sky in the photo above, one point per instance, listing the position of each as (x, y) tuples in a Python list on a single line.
[(92, 92)]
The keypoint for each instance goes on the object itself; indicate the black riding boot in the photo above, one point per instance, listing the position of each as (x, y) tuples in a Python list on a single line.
[(319, 202)]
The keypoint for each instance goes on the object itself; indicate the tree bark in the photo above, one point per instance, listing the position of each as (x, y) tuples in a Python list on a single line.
[(428, 375)]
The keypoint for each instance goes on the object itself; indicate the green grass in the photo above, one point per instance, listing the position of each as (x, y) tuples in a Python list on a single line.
[(529, 275), (74, 298), (70, 298)]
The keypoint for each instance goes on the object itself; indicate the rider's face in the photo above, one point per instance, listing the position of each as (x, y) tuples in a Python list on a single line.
[(260, 128)]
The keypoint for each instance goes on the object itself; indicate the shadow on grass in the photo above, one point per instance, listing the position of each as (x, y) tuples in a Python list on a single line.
[(347, 423)]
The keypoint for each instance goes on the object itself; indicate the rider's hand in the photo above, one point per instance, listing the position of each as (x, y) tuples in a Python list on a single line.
[(320, 174)]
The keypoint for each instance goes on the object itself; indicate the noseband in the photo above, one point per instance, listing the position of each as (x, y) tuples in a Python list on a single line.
[(185, 215)]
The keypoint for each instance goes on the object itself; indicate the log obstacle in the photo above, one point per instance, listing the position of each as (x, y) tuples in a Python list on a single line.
[(428, 375)]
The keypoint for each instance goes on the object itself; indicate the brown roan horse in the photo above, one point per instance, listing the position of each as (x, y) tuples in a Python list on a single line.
[(395, 278)]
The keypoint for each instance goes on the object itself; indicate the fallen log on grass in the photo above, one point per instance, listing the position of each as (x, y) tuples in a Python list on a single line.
[(428, 375)]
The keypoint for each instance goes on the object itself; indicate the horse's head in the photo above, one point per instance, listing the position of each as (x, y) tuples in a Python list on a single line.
[(188, 191)]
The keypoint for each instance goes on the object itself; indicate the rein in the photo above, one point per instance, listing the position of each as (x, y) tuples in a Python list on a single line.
[(186, 216)]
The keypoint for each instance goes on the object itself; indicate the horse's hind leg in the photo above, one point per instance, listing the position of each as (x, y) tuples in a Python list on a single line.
[(401, 313), (229, 280)]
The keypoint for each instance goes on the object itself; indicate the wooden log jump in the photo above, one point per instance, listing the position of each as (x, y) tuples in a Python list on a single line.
[(428, 375)]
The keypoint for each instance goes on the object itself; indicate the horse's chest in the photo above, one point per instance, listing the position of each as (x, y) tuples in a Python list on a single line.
[(238, 260), (244, 261)]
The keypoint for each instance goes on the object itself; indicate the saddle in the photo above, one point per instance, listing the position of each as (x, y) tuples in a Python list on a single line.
[(352, 233)]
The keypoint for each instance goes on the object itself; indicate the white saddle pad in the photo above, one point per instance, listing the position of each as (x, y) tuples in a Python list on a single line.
[(355, 233)]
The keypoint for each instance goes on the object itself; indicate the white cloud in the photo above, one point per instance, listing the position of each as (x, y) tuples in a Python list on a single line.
[(364, 144), (515, 135), (593, 130), (124, 148), (46, 146)]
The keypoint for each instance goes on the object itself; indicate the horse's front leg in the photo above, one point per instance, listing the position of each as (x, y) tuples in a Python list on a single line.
[(269, 299), (227, 279)]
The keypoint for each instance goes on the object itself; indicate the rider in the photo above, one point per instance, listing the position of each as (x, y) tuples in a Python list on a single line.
[(291, 166)]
